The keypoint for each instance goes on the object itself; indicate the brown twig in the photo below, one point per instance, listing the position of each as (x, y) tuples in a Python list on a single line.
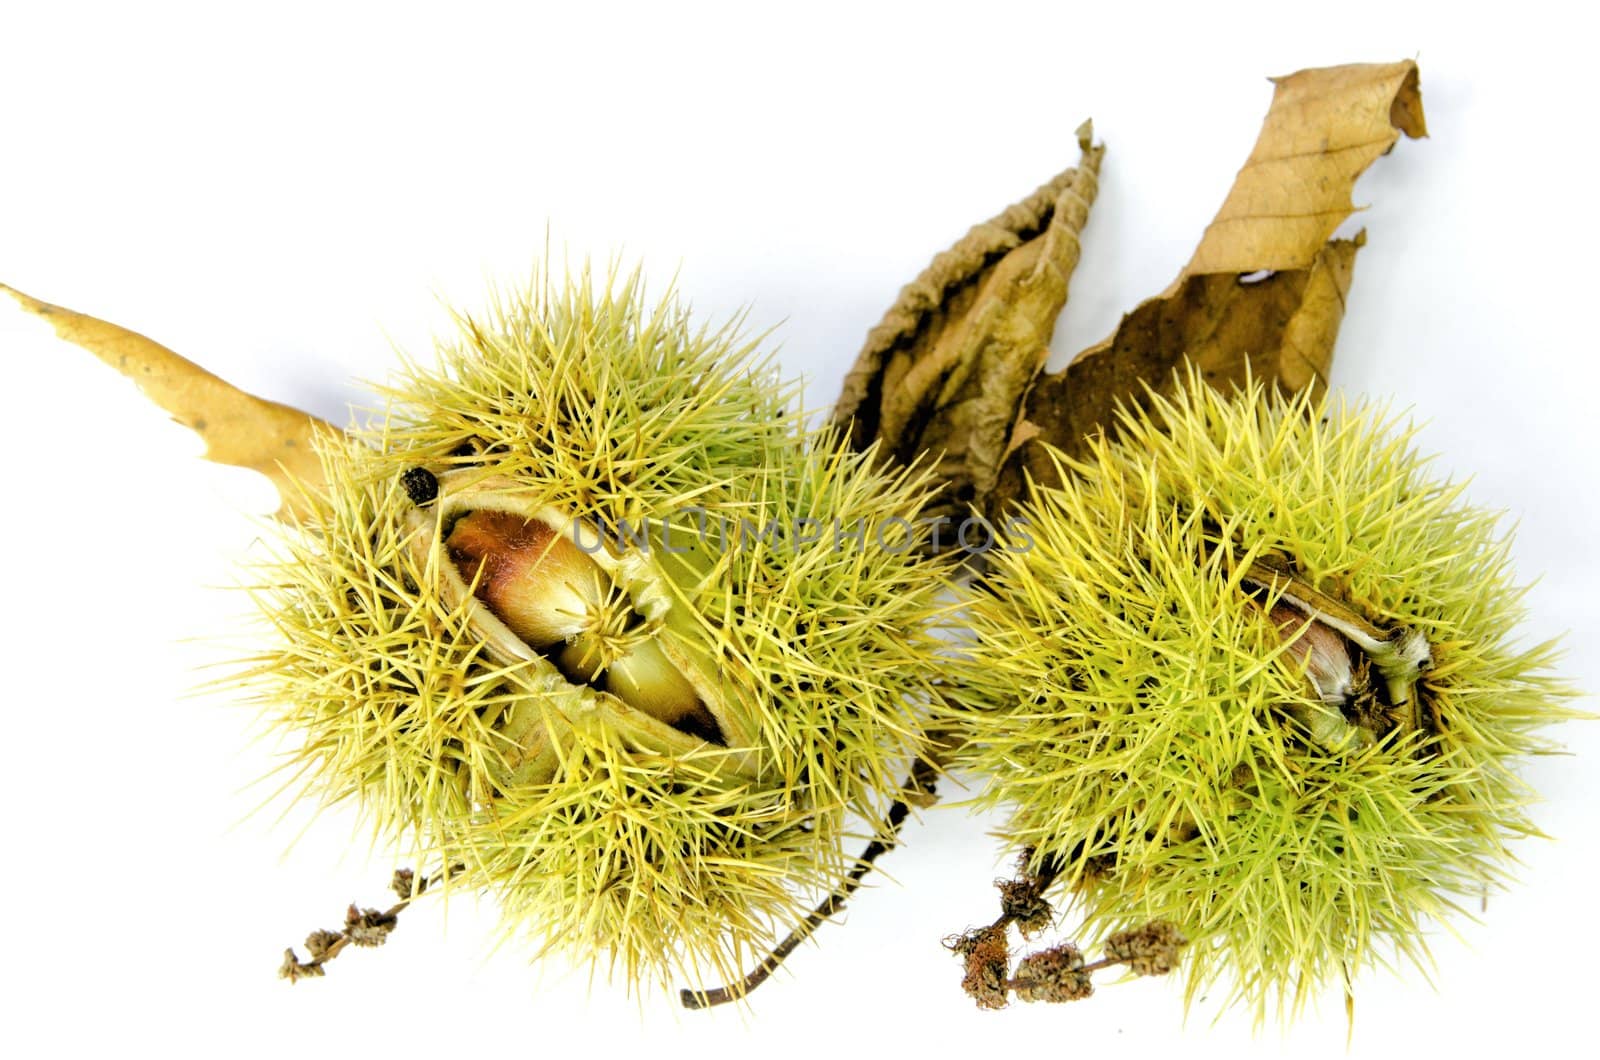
[(918, 788), (1024, 982)]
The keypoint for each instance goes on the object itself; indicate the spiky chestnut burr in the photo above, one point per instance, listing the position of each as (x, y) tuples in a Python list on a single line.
[(588, 617), (1253, 672)]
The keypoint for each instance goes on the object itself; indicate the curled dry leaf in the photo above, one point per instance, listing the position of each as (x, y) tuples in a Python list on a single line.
[(954, 368), (945, 369), (238, 428), (1265, 289)]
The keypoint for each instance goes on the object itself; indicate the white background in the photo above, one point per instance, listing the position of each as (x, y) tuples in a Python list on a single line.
[(285, 196)]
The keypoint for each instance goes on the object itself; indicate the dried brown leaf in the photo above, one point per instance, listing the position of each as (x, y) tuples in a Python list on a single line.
[(238, 428), (945, 369), (1281, 328), (1325, 127), (1265, 290)]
